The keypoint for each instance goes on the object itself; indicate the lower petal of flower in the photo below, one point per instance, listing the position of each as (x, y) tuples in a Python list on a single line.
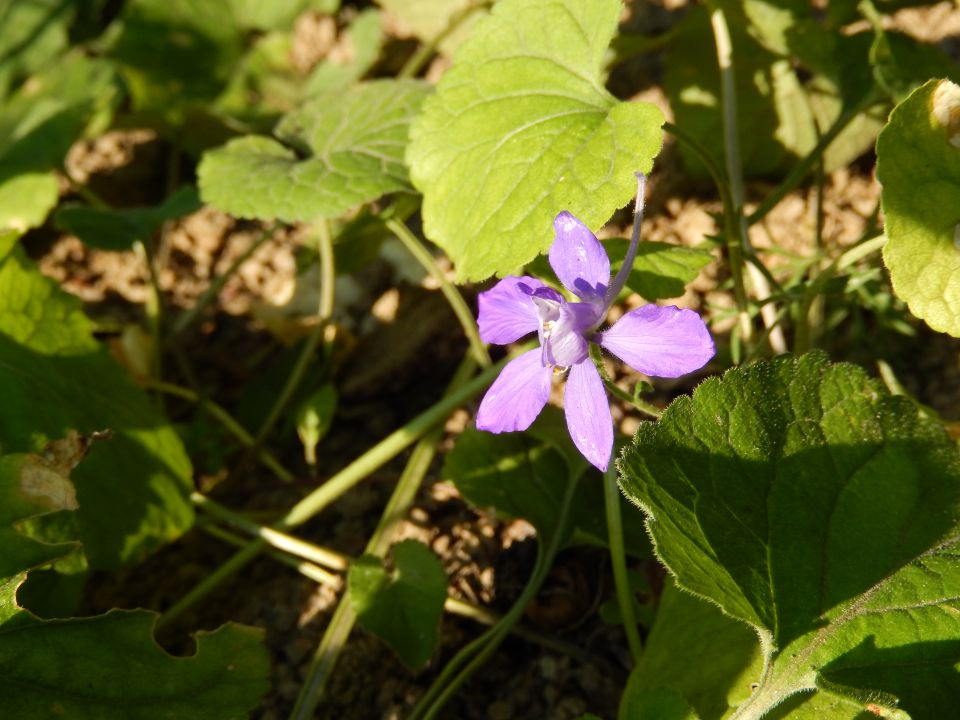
[(588, 414), (517, 396), (660, 341)]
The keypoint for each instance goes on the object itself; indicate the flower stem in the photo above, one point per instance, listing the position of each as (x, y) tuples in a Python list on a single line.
[(324, 313), (337, 632), (453, 296), (268, 459), (618, 559), (624, 272), (381, 453), (477, 652), (187, 318)]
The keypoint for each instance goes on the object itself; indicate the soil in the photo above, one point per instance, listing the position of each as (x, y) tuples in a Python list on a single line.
[(397, 344)]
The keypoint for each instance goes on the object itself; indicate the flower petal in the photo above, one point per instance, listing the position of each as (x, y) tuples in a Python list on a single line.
[(517, 396), (660, 341), (588, 414), (507, 311), (578, 258)]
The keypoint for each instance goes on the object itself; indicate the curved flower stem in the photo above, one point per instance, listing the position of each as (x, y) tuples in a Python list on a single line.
[(624, 272), (268, 459), (187, 318), (453, 296), (477, 652), (324, 313), (644, 407), (337, 632), (388, 448), (618, 559)]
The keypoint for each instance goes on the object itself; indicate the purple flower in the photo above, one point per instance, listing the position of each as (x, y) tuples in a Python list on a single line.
[(658, 341)]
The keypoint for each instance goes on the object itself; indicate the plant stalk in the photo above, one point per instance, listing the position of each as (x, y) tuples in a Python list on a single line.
[(618, 560)]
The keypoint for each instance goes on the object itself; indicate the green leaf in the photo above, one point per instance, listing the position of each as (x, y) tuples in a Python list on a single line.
[(54, 377), (918, 164), (365, 37), (105, 666), (660, 270), (38, 124), (697, 652), (657, 704), (340, 152), (775, 123), (276, 14), (806, 501), (521, 128), (112, 229), (524, 475), (34, 33), (314, 418), (401, 606)]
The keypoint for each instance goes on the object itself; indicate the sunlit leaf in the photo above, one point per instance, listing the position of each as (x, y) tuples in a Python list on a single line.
[(521, 128), (333, 156), (807, 502), (918, 164), (450, 21), (402, 605)]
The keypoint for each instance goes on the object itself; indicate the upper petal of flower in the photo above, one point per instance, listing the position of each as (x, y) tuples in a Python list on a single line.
[(660, 341), (578, 258), (588, 414), (507, 310), (517, 396)]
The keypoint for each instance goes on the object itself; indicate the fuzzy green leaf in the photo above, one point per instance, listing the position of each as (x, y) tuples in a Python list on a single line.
[(806, 501), (521, 128), (54, 377), (697, 652), (918, 163), (338, 154), (112, 229), (402, 606)]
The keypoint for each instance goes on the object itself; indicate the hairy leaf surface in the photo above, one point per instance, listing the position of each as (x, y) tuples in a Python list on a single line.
[(804, 500)]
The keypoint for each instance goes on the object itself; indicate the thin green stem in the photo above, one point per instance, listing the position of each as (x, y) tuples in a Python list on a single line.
[(337, 632), (738, 243), (452, 605), (419, 59), (187, 318), (324, 312), (618, 560), (268, 459), (641, 405), (274, 538), (475, 655), (337, 485), (453, 296), (815, 288), (307, 569), (800, 171)]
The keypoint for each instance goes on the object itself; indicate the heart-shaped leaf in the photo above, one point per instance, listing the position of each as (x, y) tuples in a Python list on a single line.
[(918, 163), (805, 500), (338, 154), (521, 128), (401, 606)]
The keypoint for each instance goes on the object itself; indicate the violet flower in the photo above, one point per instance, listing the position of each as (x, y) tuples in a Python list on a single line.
[(658, 341)]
